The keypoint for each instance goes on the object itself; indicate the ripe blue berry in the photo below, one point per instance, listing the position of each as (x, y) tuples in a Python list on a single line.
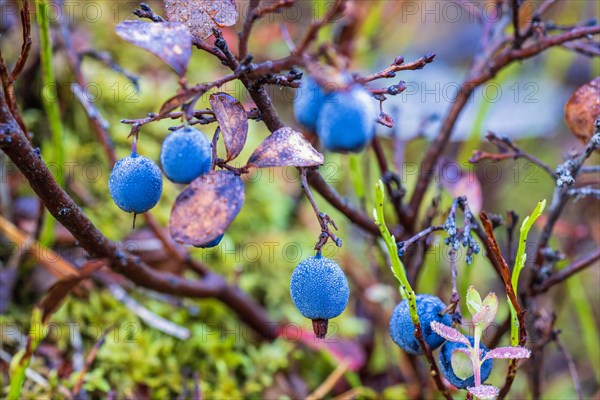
[(308, 103), (446, 364), (185, 155), (212, 243), (135, 184), (402, 328), (319, 290), (346, 122)]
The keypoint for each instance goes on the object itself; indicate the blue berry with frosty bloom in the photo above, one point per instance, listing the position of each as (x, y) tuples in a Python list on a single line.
[(347, 120), (135, 184), (185, 155), (402, 328), (319, 290)]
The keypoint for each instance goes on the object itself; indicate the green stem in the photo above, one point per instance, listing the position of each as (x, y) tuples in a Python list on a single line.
[(50, 100), (406, 291)]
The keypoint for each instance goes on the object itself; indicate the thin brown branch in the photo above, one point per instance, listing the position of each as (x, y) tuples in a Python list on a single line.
[(64, 209), (244, 35), (512, 151), (26, 46), (324, 220), (568, 271), (389, 178), (313, 30), (356, 216), (517, 39), (477, 76), (398, 65)]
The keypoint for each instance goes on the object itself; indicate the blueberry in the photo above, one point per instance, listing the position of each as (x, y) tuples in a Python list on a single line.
[(346, 122), (319, 290), (308, 103), (135, 184), (402, 328), (446, 364), (212, 243), (185, 155)]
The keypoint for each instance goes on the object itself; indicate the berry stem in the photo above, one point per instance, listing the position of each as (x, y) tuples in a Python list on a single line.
[(324, 220), (134, 145)]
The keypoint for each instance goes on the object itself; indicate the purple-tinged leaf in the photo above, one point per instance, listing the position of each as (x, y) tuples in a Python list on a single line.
[(449, 333), (201, 16), (170, 41), (484, 392), (481, 316), (461, 362), (508, 352), (233, 121), (204, 210), (285, 148)]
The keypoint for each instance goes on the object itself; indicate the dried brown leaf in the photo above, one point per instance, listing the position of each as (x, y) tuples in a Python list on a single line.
[(233, 121), (59, 291), (201, 16), (583, 108), (204, 210), (285, 148), (170, 41)]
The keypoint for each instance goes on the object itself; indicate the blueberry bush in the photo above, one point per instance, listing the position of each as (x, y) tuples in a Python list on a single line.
[(320, 231)]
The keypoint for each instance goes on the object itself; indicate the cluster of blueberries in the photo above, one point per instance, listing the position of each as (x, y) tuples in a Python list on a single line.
[(135, 183), (320, 291), (343, 118)]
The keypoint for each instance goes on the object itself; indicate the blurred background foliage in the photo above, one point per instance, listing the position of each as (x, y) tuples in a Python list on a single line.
[(276, 227)]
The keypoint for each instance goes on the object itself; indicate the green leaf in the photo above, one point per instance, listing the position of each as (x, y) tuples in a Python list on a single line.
[(520, 259), (473, 300), (461, 364)]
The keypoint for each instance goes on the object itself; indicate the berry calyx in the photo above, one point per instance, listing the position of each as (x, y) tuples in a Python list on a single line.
[(402, 328), (135, 184), (185, 155), (320, 291)]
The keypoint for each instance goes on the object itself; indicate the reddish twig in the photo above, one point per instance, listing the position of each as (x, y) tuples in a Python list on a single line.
[(477, 76), (505, 273), (398, 65), (513, 152)]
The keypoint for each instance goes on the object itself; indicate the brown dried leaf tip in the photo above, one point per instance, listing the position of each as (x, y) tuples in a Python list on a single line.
[(320, 327), (285, 148), (201, 16), (170, 41), (204, 210), (582, 109), (233, 121)]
